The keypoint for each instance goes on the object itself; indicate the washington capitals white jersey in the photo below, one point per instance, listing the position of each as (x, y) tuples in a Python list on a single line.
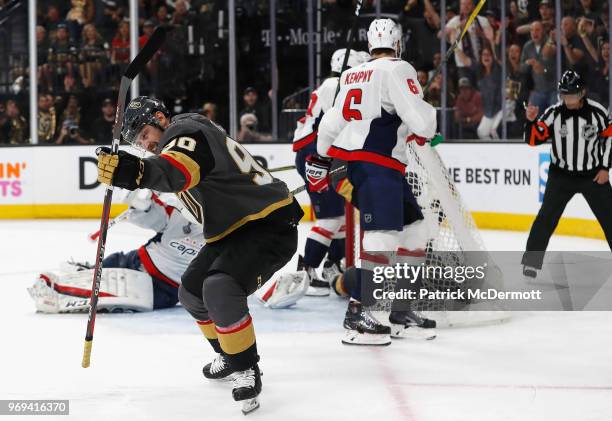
[(178, 241), (321, 100), (378, 110)]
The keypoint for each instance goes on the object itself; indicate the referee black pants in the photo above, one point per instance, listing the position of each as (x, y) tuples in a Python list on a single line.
[(560, 188)]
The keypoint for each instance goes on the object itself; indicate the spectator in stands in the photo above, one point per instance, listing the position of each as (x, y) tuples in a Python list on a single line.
[(42, 55), (252, 106), (540, 67), (52, 19), (93, 55), (120, 47), (81, 12), (17, 124), (70, 84), (437, 59), (488, 76), (162, 16), (516, 93), (468, 109), (434, 94), (488, 73), (209, 110), (62, 57), (494, 16), (120, 51), (147, 30), (478, 34), (71, 131), (589, 9), (102, 127), (573, 51), (422, 77), (179, 17), (248, 130), (422, 32), (108, 14), (547, 18), (47, 119)]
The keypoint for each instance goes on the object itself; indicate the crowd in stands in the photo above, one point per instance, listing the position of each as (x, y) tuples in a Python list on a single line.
[(84, 46)]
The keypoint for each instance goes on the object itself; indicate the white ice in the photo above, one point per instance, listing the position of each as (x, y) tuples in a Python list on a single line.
[(537, 366)]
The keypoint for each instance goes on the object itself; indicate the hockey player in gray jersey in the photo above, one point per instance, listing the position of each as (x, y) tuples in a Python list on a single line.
[(250, 226)]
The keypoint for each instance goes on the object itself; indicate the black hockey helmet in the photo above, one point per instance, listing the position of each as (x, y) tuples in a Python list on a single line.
[(140, 112), (571, 83)]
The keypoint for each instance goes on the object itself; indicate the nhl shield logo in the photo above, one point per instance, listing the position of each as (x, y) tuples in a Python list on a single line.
[(589, 132), (563, 130)]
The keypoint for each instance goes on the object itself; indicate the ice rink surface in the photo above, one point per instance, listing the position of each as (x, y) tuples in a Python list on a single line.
[(537, 366)]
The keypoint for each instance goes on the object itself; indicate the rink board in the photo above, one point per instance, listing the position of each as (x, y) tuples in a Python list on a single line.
[(501, 183)]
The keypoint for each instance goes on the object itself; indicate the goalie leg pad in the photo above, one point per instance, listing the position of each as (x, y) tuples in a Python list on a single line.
[(120, 290), (285, 291)]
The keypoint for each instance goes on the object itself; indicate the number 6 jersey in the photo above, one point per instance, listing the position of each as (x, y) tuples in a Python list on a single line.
[(214, 176), (378, 109)]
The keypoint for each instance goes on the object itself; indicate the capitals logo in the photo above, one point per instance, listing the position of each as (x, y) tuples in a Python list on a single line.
[(543, 173)]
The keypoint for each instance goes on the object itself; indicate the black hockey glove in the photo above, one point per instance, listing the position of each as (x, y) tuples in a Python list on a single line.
[(122, 170)]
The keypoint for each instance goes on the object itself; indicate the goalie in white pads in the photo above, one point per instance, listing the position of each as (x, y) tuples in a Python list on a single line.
[(144, 279), (326, 237), (379, 109)]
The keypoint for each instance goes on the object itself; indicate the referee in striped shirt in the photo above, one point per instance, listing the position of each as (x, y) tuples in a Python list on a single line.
[(580, 131)]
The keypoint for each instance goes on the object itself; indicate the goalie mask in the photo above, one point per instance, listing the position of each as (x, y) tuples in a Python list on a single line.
[(140, 112), (355, 59), (385, 33)]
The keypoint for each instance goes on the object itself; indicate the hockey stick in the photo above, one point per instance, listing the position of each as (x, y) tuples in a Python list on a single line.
[(123, 215), (349, 44), (451, 50), (139, 62), (279, 169)]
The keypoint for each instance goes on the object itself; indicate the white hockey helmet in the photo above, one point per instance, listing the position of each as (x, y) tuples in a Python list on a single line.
[(385, 33), (355, 59)]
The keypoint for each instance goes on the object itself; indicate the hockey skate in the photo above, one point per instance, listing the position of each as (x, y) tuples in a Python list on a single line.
[(362, 328), (247, 387), (218, 369), (410, 324), (331, 269), (317, 287), (530, 273)]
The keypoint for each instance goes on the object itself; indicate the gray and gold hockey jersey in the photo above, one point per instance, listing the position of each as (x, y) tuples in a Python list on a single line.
[(214, 176)]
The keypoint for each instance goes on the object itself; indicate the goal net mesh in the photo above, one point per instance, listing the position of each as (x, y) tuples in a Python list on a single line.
[(454, 240)]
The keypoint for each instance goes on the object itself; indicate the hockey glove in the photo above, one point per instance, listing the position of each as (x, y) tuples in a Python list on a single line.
[(418, 139), (122, 170), (317, 173)]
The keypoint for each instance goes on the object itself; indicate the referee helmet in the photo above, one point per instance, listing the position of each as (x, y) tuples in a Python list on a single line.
[(571, 83)]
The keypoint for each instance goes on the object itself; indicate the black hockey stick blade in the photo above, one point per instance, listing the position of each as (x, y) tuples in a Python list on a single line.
[(147, 52)]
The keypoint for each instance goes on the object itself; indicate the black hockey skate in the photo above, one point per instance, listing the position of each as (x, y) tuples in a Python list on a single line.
[(317, 287), (362, 328), (247, 387), (218, 369), (411, 324), (529, 272)]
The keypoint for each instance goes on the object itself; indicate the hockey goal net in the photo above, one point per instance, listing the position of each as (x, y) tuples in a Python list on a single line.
[(454, 239)]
